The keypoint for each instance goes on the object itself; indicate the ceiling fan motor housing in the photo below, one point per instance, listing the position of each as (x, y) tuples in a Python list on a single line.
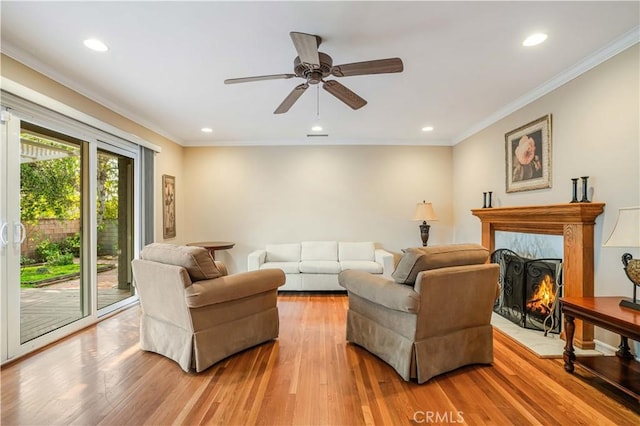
[(313, 75)]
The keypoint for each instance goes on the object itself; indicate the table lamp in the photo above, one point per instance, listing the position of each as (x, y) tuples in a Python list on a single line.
[(424, 212), (626, 233)]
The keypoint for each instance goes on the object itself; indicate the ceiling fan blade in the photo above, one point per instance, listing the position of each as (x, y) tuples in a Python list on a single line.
[(379, 66), (291, 98), (344, 94), (258, 78), (307, 48)]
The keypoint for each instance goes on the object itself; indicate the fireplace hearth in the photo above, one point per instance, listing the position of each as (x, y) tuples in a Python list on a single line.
[(530, 289)]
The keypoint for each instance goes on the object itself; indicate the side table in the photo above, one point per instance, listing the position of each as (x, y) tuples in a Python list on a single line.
[(621, 370), (212, 246)]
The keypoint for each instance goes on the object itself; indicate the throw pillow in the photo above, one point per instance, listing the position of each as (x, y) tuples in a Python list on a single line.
[(408, 267), (416, 260), (196, 260)]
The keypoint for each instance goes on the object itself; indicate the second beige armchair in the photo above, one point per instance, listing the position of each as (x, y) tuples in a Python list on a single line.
[(432, 317)]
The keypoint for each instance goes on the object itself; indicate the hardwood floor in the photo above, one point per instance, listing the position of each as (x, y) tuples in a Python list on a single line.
[(310, 375)]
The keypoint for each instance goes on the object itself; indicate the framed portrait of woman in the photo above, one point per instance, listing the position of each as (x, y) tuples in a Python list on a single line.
[(528, 156)]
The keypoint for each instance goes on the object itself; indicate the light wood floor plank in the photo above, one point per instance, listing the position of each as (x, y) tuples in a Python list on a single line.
[(309, 375)]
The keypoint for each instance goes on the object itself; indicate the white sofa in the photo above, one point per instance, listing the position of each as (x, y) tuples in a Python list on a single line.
[(315, 265)]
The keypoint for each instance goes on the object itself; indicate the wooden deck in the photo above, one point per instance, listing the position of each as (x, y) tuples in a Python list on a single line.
[(48, 308), (44, 310)]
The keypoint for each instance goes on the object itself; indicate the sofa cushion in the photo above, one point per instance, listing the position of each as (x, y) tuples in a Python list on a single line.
[(361, 265), (319, 267), (283, 252), (415, 260), (319, 250), (196, 260), (287, 267), (356, 251)]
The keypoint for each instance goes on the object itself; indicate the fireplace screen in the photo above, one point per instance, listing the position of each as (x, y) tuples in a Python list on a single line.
[(530, 289)]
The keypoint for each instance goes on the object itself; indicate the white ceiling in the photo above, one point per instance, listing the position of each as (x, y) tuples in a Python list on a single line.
[(464, 65)]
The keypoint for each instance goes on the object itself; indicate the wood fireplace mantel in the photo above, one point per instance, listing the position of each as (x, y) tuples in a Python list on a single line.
[(575, 222)]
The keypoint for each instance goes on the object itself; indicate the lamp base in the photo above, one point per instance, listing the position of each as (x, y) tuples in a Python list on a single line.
[(628, 303), (424, 233), (632, 269)]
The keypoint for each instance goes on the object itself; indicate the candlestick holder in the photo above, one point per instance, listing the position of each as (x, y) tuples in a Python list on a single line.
[(574, 183), (489, 206), (584, 190), (484, 200)]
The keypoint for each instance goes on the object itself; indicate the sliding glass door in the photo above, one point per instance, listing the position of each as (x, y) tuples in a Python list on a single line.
[(67, 230), (49, 231), (114, 214)]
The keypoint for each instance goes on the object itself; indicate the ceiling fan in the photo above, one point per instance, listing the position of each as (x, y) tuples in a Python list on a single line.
[(314, 67)]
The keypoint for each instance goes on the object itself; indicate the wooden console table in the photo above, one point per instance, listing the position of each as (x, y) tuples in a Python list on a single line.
[(212, 246), (622, 370)]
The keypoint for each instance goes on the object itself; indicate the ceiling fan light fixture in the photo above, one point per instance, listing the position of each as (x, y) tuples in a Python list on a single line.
[(314, 66), (534, 39), (427, 128), (206, 130), (316, 128), (95, 44)]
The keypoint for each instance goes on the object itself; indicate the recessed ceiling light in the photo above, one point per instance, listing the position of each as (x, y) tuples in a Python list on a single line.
[(207, 129), (534, 39), (427, 129), (95, 44), (316, 128)]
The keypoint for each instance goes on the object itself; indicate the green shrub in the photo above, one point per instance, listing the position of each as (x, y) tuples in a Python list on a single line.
[(61, 260), (47, 250), (71, 245), (54, 253), (24, 261)]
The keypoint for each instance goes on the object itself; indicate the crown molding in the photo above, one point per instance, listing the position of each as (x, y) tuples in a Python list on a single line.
[(38, 98), (35, 64), (320, 141), (619, 45)]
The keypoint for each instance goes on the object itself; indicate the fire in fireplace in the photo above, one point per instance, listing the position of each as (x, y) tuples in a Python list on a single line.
[(530, 289)]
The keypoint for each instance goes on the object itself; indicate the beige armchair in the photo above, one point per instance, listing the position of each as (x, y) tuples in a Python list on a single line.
[(432, 317), (196, 314)]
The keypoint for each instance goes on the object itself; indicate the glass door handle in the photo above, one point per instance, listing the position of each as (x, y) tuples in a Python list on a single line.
[(19, 233), (4, 240)]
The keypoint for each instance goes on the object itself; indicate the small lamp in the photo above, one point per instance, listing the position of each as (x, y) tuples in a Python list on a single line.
[(626, 233), (424, 212)]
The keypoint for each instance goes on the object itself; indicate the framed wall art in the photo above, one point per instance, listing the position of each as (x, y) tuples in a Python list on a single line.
[(168, 206), (528, 156)]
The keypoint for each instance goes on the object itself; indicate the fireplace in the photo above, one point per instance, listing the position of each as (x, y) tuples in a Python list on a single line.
[(575, 222), (530, 289)]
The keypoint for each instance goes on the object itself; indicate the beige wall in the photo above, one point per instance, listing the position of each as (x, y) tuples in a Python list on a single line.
[(169, 161), (259, 195), (596, 133)]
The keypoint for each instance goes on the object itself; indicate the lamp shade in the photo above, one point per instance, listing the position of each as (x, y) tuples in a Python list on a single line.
[(626, 232), (424, 211)]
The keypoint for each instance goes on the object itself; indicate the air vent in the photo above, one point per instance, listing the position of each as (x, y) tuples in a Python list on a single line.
[(317, 135)]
